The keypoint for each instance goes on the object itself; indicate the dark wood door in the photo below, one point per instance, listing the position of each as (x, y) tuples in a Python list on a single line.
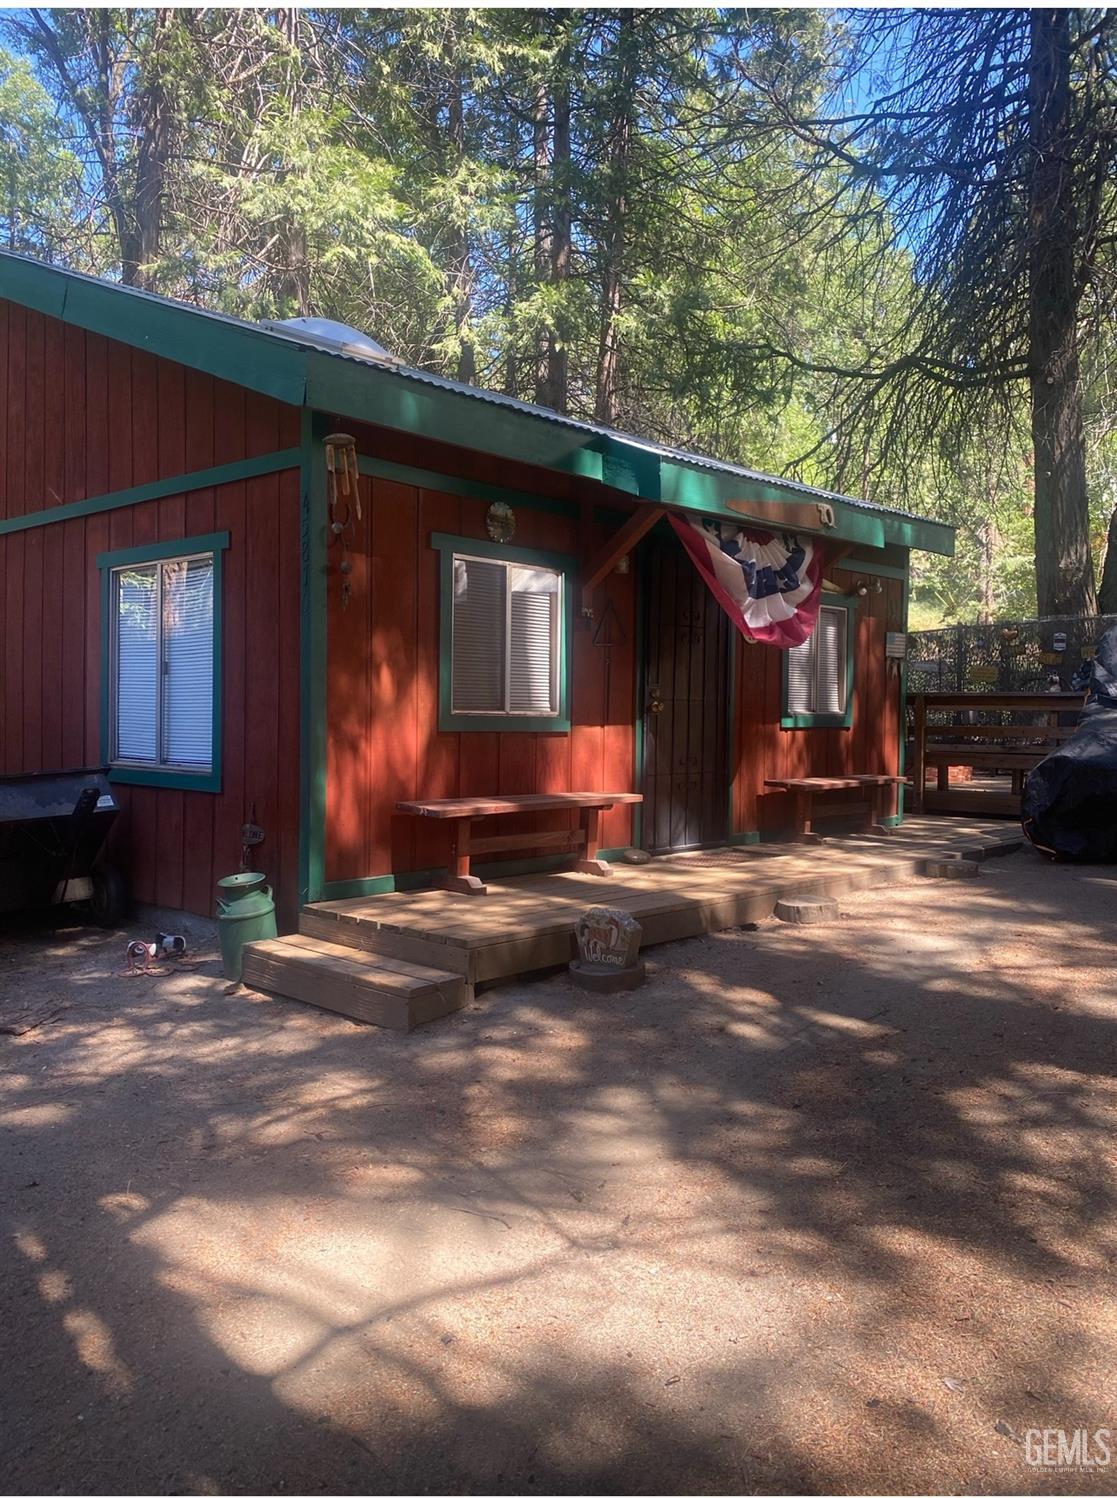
[(686, 705)]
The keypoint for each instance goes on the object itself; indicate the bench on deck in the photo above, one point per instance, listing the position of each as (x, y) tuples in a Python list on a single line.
[(803, 788), (461, 812)]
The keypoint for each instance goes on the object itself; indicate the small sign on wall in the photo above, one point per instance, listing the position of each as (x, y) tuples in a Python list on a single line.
[(895, 645)]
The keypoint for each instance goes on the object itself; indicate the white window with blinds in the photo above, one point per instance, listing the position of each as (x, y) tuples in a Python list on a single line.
[(506, 638), (818, 670), (161, 692)]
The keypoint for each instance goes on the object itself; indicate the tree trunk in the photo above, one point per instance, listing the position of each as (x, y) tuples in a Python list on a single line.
[(612, 289), (987, 539), (461, 262), (1107, 592), (154, 121), (541, 161), (101, 131), (293, 285), (1064, 567), (557, 357)]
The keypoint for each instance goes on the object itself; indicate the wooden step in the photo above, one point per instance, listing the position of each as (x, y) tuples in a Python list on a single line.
[(371, 987), (360, 929)]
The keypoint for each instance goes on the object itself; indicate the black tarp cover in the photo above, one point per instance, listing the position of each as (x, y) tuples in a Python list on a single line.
[(1069, 806)]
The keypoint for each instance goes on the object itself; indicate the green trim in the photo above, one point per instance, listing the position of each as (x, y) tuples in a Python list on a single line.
[(384, 398), (179, 780), (218, 345), (412, 879), (743, 839), (359, 889), (159, 551), (448, 720), (731, 748), (874, 569), (825, 720), (560, 561), (615, 855), (902, 727), (300, 374), (312, 662), (182, 483), (708, 490), (640, 588), (451, 483)]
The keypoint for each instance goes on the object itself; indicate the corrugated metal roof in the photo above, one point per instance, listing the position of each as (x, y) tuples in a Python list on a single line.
[(272, 331), (640, 444)]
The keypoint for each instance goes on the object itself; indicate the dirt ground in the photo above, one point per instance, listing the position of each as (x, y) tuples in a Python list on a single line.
[(826, 1209)]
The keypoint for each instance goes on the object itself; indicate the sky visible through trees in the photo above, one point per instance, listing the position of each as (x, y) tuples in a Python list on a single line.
[(872, 249)]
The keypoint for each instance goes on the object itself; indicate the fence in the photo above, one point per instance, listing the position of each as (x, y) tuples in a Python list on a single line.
[(1026, 655)]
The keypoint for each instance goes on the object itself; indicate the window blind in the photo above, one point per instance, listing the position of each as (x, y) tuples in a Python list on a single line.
[(831, 657), (505, 638), (479, 633), (188, 662), (162, 667), (136, 707), (800, 677), (533, 637), (817, 679)]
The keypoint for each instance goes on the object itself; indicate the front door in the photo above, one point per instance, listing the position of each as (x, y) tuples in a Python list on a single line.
[(687, 640)]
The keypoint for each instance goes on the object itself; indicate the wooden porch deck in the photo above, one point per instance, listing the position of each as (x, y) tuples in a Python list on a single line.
[(403, 959)]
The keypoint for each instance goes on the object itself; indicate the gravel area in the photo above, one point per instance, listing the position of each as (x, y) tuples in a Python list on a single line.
[(821, 1209)]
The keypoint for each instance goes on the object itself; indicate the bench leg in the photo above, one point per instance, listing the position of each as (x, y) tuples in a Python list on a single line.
[(589, 863), (801, 816), (944, 778), (459, 879), (880, 797)]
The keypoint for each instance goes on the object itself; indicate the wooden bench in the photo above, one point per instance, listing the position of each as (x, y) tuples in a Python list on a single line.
[(999, 748), (803, 788), (462, 811), (1016, 762)]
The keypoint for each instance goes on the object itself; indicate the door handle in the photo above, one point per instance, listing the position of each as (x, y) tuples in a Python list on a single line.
[(656, 703)]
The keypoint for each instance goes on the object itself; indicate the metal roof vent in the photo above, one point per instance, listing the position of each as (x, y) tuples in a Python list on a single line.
[(335, 337)]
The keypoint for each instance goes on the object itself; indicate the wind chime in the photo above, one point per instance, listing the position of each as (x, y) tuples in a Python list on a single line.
[(344, 496)]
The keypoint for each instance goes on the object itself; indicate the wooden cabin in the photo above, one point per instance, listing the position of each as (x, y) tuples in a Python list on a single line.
[(190, 597)]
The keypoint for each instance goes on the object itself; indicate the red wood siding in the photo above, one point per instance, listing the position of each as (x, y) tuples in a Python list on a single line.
[(81, 416), (383, 682), (870, 745), (384, 744)]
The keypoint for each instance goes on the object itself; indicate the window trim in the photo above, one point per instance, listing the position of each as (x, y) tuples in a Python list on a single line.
[(788, 719), (560, 562), (108, 562)]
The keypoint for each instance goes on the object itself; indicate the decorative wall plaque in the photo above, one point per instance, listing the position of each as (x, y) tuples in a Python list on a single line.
[(500, 521)]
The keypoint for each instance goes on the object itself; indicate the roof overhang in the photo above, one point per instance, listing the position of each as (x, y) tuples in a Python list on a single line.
[(415, 406), (293, 372)]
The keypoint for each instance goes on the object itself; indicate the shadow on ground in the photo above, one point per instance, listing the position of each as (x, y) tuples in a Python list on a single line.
[(819, 1210)]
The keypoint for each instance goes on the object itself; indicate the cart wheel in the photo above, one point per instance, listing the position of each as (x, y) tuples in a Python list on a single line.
[(109, 904)]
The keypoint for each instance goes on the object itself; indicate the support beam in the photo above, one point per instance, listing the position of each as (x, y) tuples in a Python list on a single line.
[(618, 545), (787, 514)]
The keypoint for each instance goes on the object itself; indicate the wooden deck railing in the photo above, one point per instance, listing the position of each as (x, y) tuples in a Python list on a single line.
[(946, 733)]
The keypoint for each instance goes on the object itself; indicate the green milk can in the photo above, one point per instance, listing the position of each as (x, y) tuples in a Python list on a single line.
[(245, 912)]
